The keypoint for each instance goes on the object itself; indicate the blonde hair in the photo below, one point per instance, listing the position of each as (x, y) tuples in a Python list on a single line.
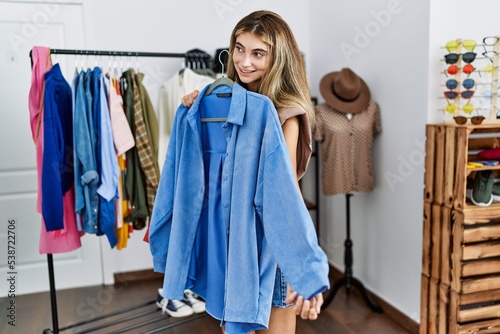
[(285, 81)]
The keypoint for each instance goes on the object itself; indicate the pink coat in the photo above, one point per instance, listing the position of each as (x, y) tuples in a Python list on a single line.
[(67, 239)]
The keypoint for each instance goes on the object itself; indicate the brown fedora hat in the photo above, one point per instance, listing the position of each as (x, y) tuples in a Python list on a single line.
[(344, 91)]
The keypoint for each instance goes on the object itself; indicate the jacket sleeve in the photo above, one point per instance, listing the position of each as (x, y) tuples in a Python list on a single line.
[(53, 159), (288, 227), (161, 218)]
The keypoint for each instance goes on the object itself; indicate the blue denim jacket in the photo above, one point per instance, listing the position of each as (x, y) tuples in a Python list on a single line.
[(86, 176), (268, 221)]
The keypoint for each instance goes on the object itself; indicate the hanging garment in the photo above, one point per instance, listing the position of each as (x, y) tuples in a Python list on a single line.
[(169, 98), (41, 64), (135, 187), (346, 148), (146, 136), (76, 169), (67, 239), (207, 273), (122, 135), (123, 140), (261, 207), (57, 171), (95, 96), (110, 171), (86, 175), (122, 207)]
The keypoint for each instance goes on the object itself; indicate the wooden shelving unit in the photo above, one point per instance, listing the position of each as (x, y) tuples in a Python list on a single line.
[(460, 281)]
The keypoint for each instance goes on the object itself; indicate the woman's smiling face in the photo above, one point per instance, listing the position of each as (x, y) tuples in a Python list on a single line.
[(251, 59)]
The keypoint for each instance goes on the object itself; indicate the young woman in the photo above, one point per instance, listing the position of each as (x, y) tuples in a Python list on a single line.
[(264, 58)]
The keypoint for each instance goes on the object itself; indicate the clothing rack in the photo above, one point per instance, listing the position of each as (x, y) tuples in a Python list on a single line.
[(118, 53), (50, 261), (192, 57)]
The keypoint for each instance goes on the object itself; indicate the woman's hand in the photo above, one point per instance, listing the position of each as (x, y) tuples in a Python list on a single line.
[(188, 100), (307, 309)]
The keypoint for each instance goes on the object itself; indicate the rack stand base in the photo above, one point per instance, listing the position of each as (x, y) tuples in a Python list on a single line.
[(348, 279), (140, 310)]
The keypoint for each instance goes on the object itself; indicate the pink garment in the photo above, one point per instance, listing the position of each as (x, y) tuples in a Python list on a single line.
[(41, 64), (62, 241), (122, 134), (67, 239)]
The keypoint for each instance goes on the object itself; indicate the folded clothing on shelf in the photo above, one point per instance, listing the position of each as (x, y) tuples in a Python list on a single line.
[(489, 154)]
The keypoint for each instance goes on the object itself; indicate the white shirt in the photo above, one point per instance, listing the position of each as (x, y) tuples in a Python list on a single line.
[(169, 99)]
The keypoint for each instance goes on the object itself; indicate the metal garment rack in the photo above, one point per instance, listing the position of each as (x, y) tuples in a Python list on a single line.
[(118, 53), (50, 261)]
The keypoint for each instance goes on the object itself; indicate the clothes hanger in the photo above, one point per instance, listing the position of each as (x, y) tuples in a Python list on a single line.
[(76, 64), (82, 65), (206, 66), (222, 80)]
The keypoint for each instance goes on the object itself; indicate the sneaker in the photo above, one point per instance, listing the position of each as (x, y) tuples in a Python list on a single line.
[(495, 192), (482, 188), (174, 308), (195, 301)]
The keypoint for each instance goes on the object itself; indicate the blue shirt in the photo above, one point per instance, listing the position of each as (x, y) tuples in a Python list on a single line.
[(86, 176), (268, 222), (109, 171)]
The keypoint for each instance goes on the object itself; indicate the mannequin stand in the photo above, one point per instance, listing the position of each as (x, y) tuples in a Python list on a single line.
[(348, 279)]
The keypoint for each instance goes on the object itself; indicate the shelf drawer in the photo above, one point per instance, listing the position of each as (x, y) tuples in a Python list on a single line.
[(475, 312), (475, 259)]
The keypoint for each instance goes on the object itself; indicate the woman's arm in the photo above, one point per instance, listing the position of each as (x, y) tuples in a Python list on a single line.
[(291, 133), (306, 309)]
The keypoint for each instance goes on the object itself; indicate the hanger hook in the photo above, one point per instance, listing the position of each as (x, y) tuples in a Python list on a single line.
[(220, 60)]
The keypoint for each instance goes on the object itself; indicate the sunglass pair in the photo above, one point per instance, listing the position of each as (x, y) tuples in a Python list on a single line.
[(467, 108), (461, 120), (466, 94), (452, 58), (468, 44), (490, 54), (467, 69), (467, 83), (491, 40)]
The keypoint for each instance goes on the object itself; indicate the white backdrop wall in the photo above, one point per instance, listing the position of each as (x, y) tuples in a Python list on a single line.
[(386, 43)]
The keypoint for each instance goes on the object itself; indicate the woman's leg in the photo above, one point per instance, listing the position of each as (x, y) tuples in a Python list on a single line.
[(281, 321)]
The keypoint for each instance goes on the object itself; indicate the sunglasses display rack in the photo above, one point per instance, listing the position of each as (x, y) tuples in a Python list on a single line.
[(460, 280), (471, 81)]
